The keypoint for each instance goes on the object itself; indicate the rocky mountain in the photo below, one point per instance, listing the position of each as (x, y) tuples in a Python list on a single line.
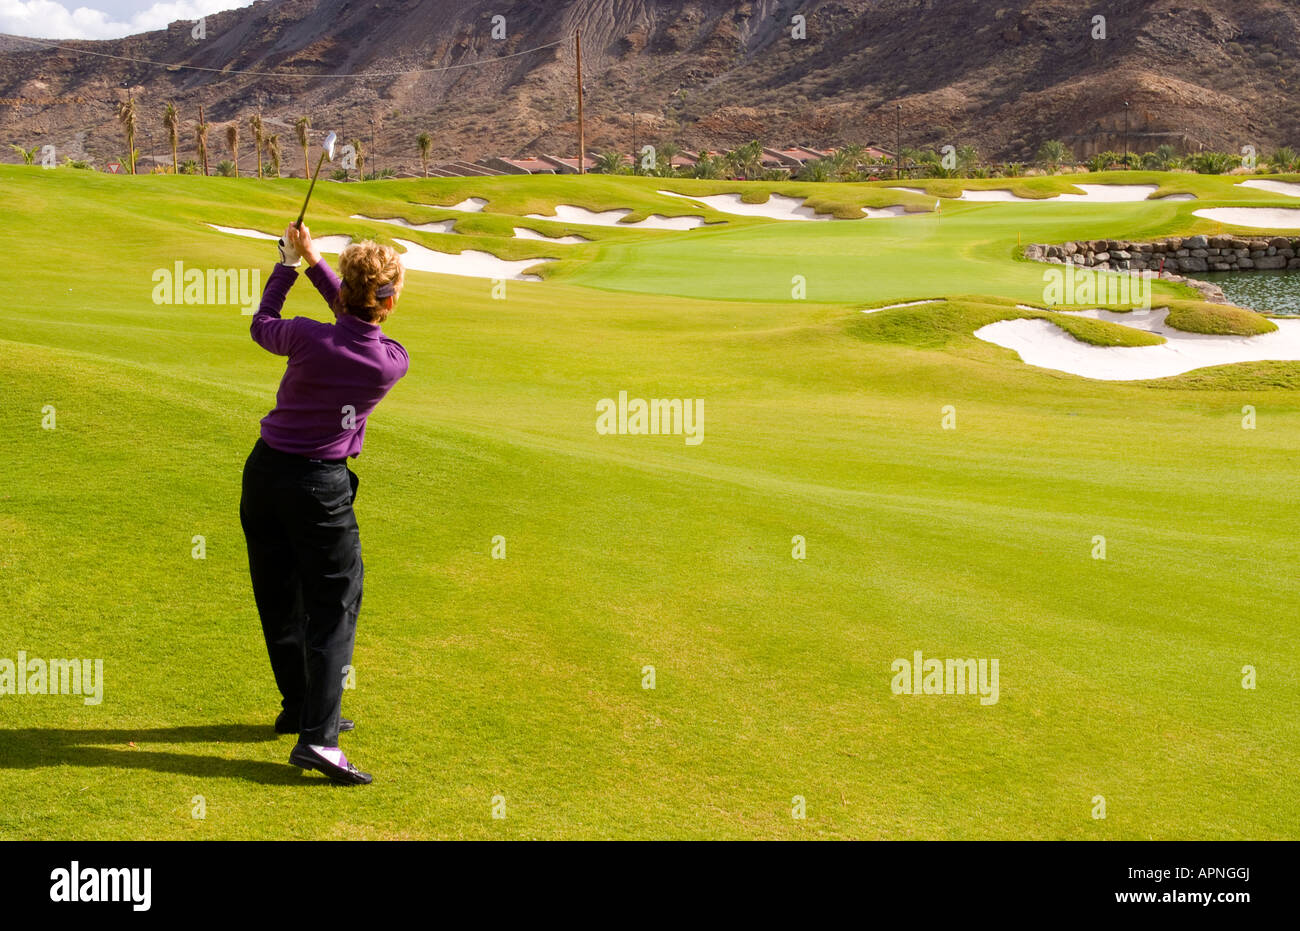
[(497, 76)]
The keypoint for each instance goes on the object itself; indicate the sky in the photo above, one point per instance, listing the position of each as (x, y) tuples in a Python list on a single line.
[(101, 19)]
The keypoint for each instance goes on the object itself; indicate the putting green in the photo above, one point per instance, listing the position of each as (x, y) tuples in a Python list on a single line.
[(521, 679)]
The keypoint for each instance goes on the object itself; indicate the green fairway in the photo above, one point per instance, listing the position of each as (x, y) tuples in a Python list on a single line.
[(522, 678)]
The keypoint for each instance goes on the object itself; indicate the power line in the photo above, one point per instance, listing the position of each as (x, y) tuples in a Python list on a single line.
[(286, 74)]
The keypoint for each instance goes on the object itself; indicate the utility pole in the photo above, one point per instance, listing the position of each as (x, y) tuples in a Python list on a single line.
[(582, 129), (898, 142), (374, 150), (205, 143), (1126, 135)]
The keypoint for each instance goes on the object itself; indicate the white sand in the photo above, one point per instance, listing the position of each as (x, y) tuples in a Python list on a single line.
[(1290, 189), (776, 207), (1001, 196), (1262, 218), (780, 207), (1110, 193), (878, 213), (523, 232), (1092, 193), (469, 205), (331, 244), (1044, 344), (568, 213), (874, 310), (251, 234), (470, 263), (436, 226)]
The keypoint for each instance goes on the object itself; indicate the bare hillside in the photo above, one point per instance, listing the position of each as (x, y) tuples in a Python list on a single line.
[(1002, 76)]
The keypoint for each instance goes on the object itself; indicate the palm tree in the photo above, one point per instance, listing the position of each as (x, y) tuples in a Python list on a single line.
[(232, 143), (1163, 158), (361, 159), (846, 159), (126, 117), (255, 124), (1053, 153), (300, 127), (706, 166), (747, 161), (664, 155), (609, 163), (929, 162), (817, 169), (1284, 159), (171, 120), (910, 156), (28, 156), (273, 152), (425, 143), (968, 159), (1213, 163), (201, 140)]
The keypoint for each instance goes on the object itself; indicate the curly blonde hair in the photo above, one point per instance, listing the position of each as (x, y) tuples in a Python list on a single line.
[(365, 268)]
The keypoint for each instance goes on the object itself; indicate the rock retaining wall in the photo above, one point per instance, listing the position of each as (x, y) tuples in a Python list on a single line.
[(1180, 254)]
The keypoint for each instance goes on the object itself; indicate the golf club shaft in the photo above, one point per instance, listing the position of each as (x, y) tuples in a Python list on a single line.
[(302, 213)]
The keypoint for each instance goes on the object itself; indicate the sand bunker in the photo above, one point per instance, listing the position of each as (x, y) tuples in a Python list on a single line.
[(568, 213), (1288, 188), (878, 213), (1044, 344), (523, 232), (471, 263), (437, 226), (778, 207), (874, 310), (1092, 193), (331, 244), (1260, 218), (468, 205)]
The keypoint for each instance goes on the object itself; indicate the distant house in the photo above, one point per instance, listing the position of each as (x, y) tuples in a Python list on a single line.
[(528, 165), (813, 154), (568, 166), (460, 169), (791, 159)]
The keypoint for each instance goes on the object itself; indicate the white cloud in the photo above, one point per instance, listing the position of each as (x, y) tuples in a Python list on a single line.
[(46, 19)]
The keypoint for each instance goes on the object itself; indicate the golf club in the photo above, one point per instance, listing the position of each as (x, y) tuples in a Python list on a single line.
[(326, 152)]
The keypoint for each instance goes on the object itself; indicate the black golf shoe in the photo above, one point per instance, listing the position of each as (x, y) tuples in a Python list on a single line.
[(331, 762)]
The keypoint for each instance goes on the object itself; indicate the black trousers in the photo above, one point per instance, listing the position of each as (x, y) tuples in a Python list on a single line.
[(304, 556)]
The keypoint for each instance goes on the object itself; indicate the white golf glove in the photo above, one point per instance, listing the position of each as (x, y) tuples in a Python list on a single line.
[(288, 254)]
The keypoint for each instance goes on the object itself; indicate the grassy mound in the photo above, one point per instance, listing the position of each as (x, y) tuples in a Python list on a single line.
[(1101, 332), (938, 325), (1217, 319)]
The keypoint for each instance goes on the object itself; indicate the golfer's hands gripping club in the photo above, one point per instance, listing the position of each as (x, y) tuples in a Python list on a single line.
[(298, 239), (289, 254)]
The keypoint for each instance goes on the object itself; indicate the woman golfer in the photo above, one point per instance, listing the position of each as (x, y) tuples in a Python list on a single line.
[(304, 548)]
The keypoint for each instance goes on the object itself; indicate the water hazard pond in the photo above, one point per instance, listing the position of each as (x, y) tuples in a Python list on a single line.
[(1267, 292)]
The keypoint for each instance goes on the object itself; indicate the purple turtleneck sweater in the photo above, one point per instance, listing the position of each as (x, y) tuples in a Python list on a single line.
[(337, 373)]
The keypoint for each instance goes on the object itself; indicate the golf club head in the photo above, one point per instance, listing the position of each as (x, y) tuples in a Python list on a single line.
[(328, 146)]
